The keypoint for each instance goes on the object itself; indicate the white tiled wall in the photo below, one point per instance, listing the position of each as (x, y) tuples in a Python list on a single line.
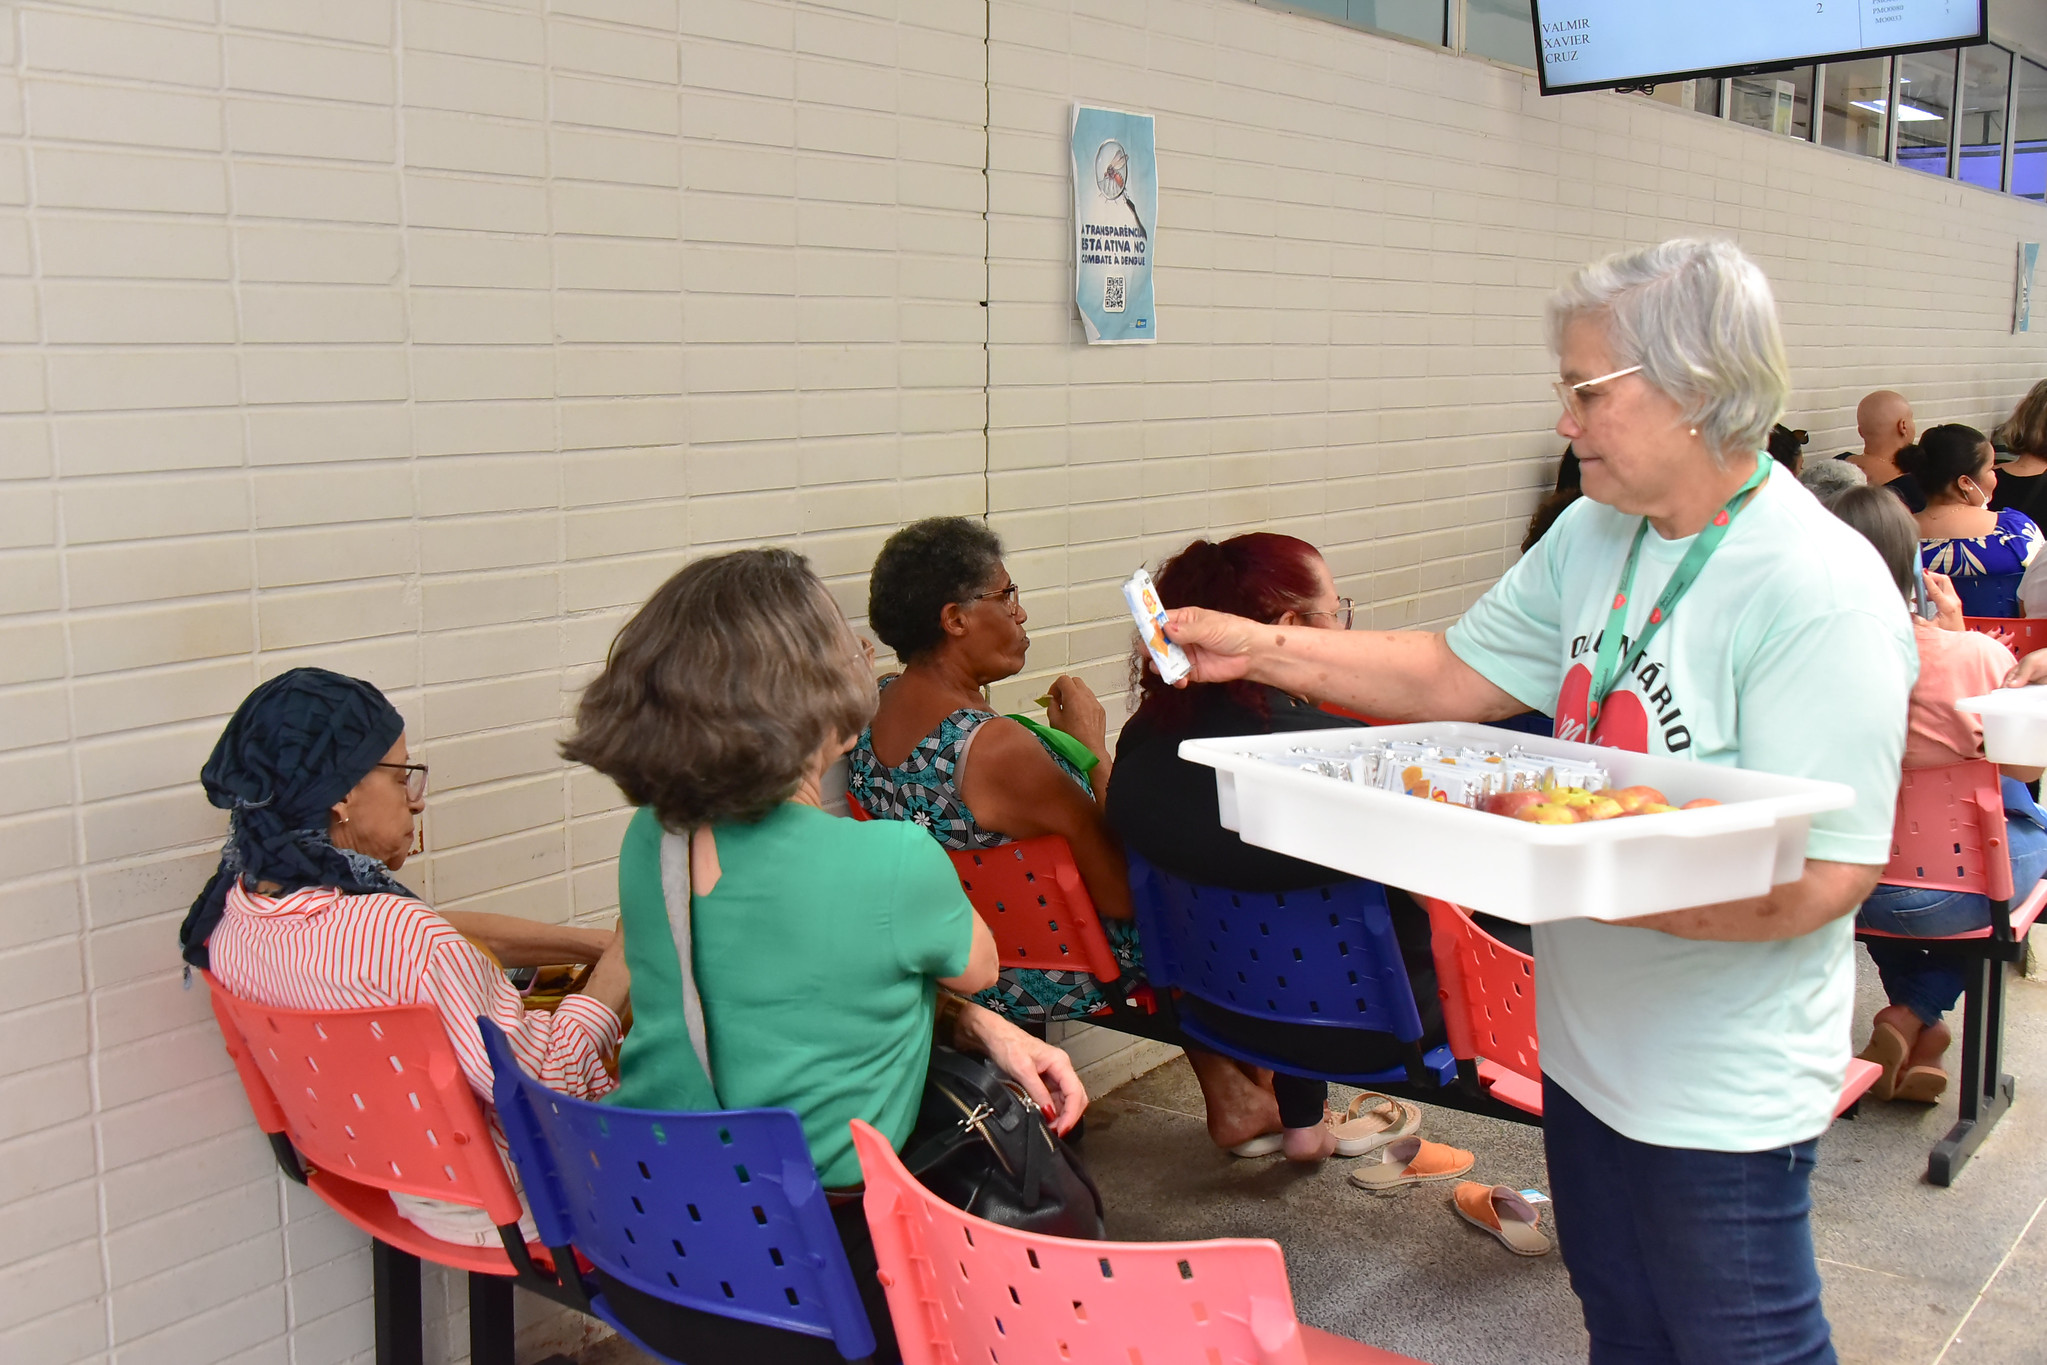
[(420, 340)]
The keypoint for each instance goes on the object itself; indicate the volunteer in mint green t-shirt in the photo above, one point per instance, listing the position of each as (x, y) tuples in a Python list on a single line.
[(781, 957), (1696, 603)]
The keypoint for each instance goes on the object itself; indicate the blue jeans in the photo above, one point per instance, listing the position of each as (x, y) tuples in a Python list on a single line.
[(1683, 1257), (1926, 982)]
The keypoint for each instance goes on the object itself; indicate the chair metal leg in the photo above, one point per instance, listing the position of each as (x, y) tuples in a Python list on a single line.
[(490, 1320), (1983, 1090), (394, 1277)]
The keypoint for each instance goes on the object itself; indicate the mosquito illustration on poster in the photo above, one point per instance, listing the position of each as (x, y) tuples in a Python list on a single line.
[(1115, 213)]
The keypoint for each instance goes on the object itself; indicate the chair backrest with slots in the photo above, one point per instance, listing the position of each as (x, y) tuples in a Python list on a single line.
[(1326, 954), (375, 1097), (1949, 833), (2028, 632), (1487, 989), (963, 1289), (721, 1212), (1031, 896)]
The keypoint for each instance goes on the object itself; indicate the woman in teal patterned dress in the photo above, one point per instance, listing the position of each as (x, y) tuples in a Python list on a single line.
[(940, 597)]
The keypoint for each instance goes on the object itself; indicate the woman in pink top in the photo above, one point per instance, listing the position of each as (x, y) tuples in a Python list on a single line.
[(305, 911), (1908, 1038)]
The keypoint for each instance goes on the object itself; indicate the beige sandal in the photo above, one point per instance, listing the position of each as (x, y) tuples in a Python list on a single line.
[(1411, 1161), (1504, 1213), (1362, 1130), (1920, 1085), (1888, 1049)]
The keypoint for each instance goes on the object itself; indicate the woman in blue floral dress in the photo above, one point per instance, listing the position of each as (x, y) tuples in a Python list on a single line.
[(942, 600), (1984, 552)]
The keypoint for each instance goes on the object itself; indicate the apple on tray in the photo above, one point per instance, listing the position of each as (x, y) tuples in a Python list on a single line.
[(1633, 799), (1699, 804), (1513, 803), (1548, 813)]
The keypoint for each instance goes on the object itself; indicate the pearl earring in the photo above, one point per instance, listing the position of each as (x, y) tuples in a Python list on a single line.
[(1695, 431)]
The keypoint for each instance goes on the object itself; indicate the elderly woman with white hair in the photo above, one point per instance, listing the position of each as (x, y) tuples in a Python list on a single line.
[(1693, 604)]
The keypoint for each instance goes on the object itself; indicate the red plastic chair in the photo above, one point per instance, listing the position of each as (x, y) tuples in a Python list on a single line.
[(1949, 835), (373, 1103), (2028, 632), (963, 1289), (1488, 995), (1034, 901)]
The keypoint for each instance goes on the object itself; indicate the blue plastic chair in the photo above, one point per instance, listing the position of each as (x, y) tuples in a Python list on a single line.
[(1324, 957), (1994, 594), (719, 1212)]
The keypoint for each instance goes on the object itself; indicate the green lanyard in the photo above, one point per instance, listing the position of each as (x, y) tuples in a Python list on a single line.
[(1611, 668)]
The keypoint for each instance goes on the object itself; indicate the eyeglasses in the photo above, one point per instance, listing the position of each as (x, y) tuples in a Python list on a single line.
[(1345, 612), (415, 779), (1010, 600), (1573, 396)]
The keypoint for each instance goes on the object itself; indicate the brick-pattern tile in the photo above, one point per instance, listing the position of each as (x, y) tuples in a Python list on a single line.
[(421, 339)]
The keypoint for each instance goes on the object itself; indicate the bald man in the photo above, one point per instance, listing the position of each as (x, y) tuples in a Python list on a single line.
[(1884, 421)]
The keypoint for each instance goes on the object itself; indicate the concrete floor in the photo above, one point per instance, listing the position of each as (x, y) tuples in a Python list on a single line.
[(1914, 1275)]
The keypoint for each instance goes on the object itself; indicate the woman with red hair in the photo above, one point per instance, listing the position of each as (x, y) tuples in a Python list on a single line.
[(1164, 808)]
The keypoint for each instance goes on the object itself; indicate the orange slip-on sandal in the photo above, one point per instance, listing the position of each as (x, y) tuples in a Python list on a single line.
[(1411, 1161), (1504, 1213)]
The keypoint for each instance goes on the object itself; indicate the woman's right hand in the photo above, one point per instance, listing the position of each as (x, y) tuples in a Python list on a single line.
[(2030, 671), (1947, 603), (1217, 644), (1074, 708)]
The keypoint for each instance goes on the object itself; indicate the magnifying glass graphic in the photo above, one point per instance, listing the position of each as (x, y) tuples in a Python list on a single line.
[(1112, 178)]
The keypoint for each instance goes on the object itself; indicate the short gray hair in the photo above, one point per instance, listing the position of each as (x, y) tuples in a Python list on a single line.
[(1699, 318), (1824, 478)]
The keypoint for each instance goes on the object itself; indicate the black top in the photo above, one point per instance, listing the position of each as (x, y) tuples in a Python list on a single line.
[(1165, 807), (2027, 492), (1905, 486)]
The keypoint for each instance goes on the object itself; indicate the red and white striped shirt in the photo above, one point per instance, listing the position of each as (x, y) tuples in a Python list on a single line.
[(324, 949)]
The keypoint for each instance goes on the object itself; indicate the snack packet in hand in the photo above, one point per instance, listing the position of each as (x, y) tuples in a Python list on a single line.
[(1150, 615)]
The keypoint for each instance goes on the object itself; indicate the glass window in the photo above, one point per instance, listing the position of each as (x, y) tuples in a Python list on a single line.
[(1422, 19), (1702, 95), (2029, 145), (1779, 101), (1986, 83), (1926, 101), (1855, 97), (1501, 29)]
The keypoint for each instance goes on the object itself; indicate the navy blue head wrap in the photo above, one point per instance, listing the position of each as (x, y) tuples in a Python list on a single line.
[(295, 746)]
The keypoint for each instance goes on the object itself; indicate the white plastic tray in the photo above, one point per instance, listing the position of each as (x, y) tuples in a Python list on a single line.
[(2014, 724), (1608, 869)]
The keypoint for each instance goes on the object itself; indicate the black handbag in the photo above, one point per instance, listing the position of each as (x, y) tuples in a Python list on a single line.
[(980, 1144)]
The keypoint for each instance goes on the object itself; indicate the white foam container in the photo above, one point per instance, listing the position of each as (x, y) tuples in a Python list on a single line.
[(2014, 724), (1607, 869)]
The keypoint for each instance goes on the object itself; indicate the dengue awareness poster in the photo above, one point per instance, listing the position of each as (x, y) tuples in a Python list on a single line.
[(1115, 213)]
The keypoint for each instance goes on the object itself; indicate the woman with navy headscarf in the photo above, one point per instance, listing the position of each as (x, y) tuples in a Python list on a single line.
[(306, 912)]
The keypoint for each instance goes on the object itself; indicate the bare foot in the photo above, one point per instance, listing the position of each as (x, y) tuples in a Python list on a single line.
[(1239, 1109), (1310, 1144)]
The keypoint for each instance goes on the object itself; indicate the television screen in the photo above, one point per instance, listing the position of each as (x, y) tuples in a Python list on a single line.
[(1599, 44)]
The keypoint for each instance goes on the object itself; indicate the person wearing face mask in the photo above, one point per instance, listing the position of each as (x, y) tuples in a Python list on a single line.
[(940, 597), (1691, 604), (306, 910), (1986, 552)]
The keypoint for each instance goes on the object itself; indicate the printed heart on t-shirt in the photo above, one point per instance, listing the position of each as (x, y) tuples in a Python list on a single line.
[(1623, 723)]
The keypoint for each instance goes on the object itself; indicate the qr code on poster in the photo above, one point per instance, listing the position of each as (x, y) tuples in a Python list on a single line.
[(1112, 294)]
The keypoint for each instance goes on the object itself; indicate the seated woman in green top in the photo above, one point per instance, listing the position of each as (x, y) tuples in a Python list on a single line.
[(819, 945)]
